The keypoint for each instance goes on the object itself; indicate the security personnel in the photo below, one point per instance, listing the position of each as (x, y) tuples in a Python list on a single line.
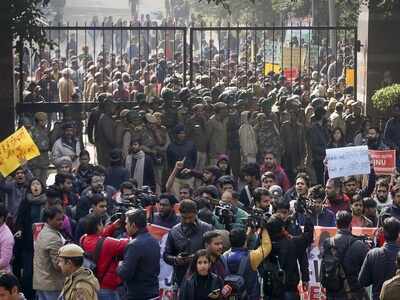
[(80, 283)]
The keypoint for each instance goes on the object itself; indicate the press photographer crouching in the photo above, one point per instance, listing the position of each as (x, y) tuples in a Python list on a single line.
[(280, 270)]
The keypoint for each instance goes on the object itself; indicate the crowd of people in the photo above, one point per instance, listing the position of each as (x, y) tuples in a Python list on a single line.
[(234, 165)]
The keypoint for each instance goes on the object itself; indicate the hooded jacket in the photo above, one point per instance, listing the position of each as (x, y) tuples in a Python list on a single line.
[(80, 283), (247, 137)]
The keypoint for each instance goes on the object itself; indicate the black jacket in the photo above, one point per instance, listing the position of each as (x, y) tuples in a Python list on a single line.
[(178, 151), (141, 266), (168, 222), (190, 286), (379, 266), (352, 259), (318, 138), (184, 239)]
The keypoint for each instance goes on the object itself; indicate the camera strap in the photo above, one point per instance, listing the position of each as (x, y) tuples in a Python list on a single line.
[(249, 196)]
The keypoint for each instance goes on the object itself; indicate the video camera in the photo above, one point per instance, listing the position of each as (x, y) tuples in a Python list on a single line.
[(258, 218), (224, 212)]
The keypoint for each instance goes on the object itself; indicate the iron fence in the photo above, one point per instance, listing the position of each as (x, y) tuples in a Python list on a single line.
[(148, 54)]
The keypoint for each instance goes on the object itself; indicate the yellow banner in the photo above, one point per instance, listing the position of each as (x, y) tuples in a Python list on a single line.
[(350, 77), (16, 148), (268, 67)]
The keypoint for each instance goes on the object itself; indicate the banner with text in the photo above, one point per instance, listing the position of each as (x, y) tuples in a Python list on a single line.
[(384, 161)]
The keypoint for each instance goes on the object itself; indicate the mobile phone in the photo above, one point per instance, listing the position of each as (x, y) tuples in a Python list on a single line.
[(214, 293)]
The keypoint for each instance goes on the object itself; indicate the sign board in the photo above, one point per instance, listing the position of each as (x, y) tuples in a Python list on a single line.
[(384, 161), (348, 161), (17, 147), (349, 77), (268, 67)]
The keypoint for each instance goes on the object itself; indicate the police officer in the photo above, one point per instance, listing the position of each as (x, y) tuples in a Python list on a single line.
[(80, 283), (40, 135)]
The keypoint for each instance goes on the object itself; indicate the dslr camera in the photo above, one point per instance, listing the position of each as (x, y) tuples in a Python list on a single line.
[(258, 218), (224, 212)]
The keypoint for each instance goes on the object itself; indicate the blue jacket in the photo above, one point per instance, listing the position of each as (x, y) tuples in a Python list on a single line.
[(168, 222), (379, 266), (140, 268), (116, 175), (232, 259)]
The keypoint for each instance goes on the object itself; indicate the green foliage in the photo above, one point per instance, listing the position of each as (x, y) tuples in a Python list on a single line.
[(383, 99), (26, 24)]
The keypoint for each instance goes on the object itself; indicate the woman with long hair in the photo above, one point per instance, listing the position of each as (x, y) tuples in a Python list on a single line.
[(336, 138), (200, 283)]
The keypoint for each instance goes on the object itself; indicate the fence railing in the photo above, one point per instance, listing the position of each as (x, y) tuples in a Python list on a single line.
[(142, 55)]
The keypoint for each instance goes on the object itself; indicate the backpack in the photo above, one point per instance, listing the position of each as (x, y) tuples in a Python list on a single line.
[(333, 277), (274, 277), (90, 258), (237, 281)]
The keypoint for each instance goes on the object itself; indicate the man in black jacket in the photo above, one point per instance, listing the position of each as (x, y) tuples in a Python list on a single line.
[(166, 216), (141, 265), (380, 263), (184, 239), (351, 252)]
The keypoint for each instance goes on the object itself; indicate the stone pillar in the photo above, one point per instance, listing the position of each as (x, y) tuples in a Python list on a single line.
[(379, 51), (7, 106)]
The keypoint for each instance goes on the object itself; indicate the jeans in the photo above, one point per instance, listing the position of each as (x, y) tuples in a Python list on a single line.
[(107, 294), (47, 295)]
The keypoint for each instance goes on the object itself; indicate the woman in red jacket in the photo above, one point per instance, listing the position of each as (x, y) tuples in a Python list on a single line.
[(111, 251)]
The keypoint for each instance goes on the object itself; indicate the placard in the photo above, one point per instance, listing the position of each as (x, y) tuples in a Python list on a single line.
[(17, 147), (348, 161)]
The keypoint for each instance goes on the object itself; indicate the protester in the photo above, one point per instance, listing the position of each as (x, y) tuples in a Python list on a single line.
[(379, 264), (48, 280), (9, 288), (201, 284), (6, 242), (390, 288)]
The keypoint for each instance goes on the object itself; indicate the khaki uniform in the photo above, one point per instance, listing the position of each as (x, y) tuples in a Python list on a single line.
[(80, 285), (391, 288)]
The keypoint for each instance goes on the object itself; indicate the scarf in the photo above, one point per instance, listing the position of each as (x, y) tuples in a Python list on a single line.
[(138, 172)]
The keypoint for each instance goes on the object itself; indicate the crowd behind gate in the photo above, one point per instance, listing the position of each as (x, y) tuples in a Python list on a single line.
[(234, 165)]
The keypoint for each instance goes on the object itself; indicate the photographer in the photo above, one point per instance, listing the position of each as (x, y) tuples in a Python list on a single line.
[(263, 200), (184, 239), (242, 263), (110, 249), (280, 270), (228, 215)]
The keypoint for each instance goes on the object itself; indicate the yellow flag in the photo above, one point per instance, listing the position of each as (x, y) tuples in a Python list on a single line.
[(268, 67), (16, 148), (350, 77)]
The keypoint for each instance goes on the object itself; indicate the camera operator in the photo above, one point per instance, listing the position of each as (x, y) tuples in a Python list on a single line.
[(263, 200), (110, 251), (184, 239), (166, 215), (351, 252), (227, 214), (280, 270), (98, 204), (96, 187), (242, 263)]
